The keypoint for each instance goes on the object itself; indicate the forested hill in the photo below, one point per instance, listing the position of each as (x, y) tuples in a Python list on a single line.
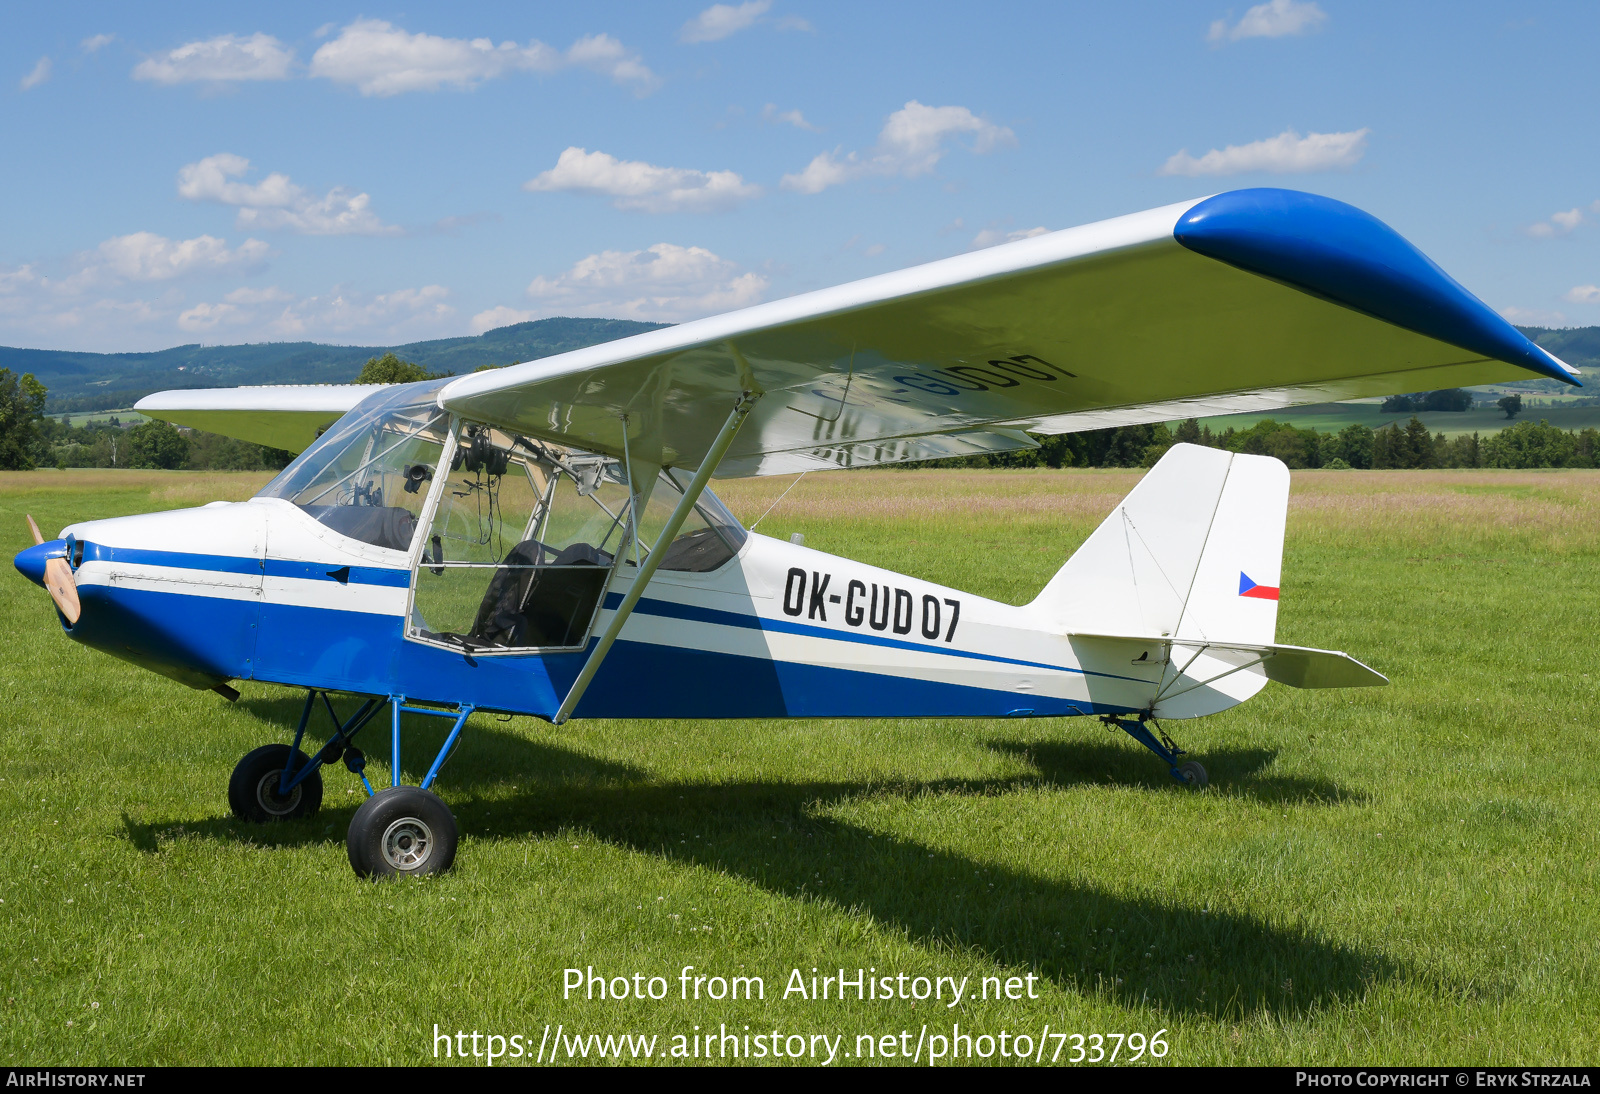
[(102, 381), (1577, 346)]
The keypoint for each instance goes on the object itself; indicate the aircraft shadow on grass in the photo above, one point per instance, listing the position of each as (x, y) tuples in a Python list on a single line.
[(1242, 772), (776, 835)]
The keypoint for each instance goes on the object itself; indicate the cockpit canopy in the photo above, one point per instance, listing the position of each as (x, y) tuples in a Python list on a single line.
[(360, 478), (523, 534)]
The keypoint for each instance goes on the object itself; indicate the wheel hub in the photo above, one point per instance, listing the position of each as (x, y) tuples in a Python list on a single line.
[(267, 796), (407, 843)]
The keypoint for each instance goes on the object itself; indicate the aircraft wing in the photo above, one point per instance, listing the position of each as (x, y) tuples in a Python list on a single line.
[(283, 417), (1252, 300), (1248, 301)]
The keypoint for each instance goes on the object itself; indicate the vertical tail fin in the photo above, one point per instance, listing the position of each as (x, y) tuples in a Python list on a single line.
[(1194, 551)]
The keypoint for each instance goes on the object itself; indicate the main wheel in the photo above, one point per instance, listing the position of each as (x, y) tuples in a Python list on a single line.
[(402, 832), (1194, 776), (253, 789)]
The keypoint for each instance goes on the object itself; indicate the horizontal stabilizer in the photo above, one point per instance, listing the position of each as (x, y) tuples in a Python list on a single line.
[(1296, 666)]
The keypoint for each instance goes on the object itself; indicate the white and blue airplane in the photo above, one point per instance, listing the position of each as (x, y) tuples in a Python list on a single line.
[(540, 539)]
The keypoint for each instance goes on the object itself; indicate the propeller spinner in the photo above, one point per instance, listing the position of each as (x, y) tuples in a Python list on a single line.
[(58, 579)]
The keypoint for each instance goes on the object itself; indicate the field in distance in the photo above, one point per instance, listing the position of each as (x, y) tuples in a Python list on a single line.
[(1397, 875)]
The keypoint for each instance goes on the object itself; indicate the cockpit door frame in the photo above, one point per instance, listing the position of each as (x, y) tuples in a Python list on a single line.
[(418, 557)]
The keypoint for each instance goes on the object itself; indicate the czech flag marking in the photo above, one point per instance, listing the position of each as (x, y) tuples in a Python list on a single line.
[(1260, 592)]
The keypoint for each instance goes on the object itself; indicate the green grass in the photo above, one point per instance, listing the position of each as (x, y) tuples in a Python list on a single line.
[(1332, 417), (1399, 875), (82, 418)]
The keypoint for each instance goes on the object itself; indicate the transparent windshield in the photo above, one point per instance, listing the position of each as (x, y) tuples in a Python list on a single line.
[(525, 537), (709, 537), (366, 477)]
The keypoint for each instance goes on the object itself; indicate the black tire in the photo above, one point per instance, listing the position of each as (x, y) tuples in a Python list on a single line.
[(253, 790), (402, 832), (1194, 776)]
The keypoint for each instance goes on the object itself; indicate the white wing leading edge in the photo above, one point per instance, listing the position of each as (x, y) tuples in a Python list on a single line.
[(285, 417)]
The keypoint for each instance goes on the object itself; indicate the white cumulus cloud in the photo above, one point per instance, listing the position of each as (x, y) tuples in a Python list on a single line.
[(97, 42), (272, 312), (665, 282), (498, 316), (1560, 224), (278, 203), (645, 187), (1275, 19), (913, 140), (145, 256), (721, 20), (1534, 317), (990, 237), (771, 113), (1287, 153), (381, 59), (38, 75), (343, 311), (225, 58), (1582, 294)]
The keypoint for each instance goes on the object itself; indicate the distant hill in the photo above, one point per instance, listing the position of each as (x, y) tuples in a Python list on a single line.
[(1577, 346), (103, 381)]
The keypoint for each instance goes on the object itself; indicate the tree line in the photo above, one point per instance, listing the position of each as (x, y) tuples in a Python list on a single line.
[(1522, 445)]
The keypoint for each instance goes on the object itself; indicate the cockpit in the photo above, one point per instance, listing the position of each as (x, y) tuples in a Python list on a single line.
[(519, 537)]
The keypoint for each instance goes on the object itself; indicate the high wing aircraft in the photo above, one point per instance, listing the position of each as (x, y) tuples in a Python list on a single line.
[(541, 539)]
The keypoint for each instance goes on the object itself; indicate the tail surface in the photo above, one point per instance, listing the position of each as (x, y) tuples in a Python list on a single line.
[(1194, 551)]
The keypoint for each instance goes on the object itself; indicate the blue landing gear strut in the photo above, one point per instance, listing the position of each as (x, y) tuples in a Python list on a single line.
[(398, 831), (1190, 774)]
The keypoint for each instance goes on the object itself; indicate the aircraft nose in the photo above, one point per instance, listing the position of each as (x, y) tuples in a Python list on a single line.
[(30, 563)]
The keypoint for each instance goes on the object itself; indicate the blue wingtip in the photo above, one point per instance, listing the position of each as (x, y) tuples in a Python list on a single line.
[(1353, 258)]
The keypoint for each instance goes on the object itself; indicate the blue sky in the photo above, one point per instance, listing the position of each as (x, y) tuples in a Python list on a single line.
[(226, 173)]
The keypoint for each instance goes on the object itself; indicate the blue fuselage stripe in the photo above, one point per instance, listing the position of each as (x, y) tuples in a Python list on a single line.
[(400, 579), (697, 614), (234, 564)]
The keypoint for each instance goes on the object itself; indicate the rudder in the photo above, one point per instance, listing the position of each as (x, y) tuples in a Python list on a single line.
[(1195, 550)]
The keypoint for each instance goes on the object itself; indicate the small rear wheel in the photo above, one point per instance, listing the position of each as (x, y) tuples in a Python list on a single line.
[(253, 790), (402, 832), (1193, 775)]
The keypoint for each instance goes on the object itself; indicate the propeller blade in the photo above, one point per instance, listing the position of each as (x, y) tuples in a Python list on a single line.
[(63, 588), (59, 581)]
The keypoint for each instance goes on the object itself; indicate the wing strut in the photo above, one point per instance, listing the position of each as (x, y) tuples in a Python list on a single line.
[(686, 504)]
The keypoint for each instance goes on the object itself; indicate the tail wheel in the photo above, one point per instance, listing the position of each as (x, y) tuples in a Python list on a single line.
[(1193, 775), (402, 832), (253, 792)]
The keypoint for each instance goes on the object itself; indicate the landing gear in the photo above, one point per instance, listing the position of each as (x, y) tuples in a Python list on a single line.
[(256, 794), (402, 832), (1191, 774)]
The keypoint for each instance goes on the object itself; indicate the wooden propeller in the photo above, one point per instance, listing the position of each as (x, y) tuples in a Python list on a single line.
[(59, 581)]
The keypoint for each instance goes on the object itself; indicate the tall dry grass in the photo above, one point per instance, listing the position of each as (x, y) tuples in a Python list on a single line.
[(169, 489)]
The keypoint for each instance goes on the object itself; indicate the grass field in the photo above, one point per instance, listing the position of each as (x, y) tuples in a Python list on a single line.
[(84, 417), (1398, 875), (1332, 417)]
